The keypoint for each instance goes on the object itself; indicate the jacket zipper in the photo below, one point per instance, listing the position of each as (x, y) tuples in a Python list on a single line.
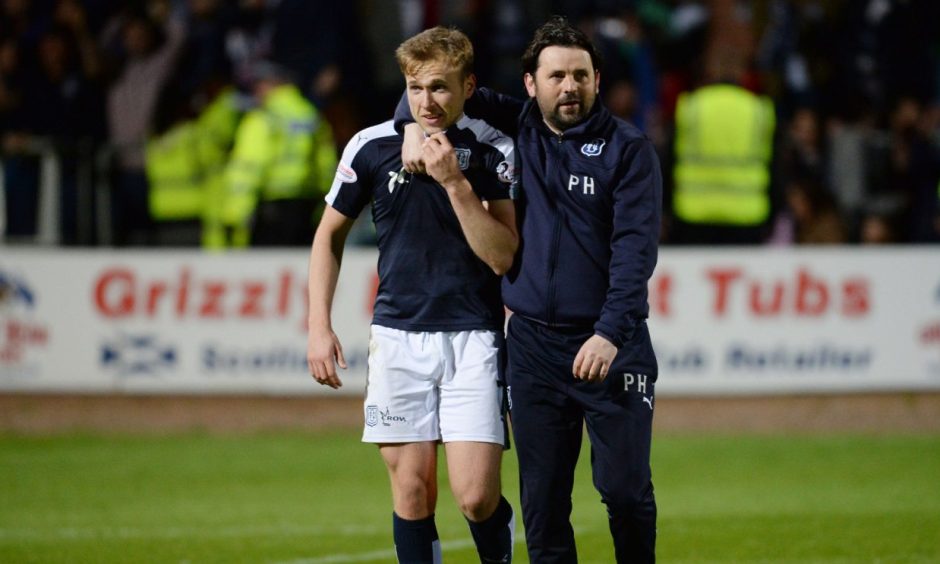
[(556, 238)]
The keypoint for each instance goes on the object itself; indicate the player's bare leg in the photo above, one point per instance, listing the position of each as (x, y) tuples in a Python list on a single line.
[(412, 471), (474, 470)]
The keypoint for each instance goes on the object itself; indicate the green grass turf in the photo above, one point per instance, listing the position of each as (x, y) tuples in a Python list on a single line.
[(317, 499)]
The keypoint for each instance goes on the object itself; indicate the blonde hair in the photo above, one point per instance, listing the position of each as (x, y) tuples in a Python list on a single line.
[(438, 44)]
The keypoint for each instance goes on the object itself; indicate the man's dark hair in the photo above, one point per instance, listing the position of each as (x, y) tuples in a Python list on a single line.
[(557, 32)]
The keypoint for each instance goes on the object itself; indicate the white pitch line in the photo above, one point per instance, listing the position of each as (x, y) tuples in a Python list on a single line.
[(366, 556), (67, 533)]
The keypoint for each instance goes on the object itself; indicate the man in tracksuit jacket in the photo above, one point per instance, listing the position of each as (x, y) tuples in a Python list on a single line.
[(579, 349)]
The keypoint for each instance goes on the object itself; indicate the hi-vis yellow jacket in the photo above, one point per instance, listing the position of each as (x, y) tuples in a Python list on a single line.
[(217, 124), (723, 149), (185, 168), (283, 150), (175, 174)]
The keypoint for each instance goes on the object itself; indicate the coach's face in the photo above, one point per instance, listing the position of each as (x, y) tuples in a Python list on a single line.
[(436, 95), (565, 85)]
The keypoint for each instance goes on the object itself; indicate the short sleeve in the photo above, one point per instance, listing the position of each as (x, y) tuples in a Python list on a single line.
[(351, 190), (501, 171)]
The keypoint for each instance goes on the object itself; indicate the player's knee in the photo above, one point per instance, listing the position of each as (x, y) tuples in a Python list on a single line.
[(413, 497), (477, 504)]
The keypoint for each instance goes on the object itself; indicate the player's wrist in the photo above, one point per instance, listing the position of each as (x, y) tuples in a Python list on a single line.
[(319, 326), (457, 185)]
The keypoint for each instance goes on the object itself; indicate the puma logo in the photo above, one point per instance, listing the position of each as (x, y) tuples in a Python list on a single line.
[(649, 401)]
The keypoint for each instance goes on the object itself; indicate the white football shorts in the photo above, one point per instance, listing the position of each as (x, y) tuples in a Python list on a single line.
[(429, 386)]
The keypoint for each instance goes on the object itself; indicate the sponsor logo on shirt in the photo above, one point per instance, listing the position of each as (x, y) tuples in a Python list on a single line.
[(345, 174), (506, 172)]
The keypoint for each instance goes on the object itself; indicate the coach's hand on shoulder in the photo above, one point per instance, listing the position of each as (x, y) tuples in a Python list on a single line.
[(412, 149), (324, 352), (594, 359)]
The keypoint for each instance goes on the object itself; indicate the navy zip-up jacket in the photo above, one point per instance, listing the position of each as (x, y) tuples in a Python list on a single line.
[(590, 206)]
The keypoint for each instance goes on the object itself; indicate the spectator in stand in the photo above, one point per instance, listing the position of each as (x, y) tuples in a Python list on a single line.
[(317, 41), (22, 20), (914, 170), (881, 222), (249, 40), (813, 213), (308, 41), (631, 91), (11, 83), (20, 172), (62, 112), (149, 59), (203, 56), (800, 155), (71, 17)]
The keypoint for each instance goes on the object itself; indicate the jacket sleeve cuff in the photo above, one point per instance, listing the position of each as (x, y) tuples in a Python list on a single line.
[(609, 336), (617, 336)]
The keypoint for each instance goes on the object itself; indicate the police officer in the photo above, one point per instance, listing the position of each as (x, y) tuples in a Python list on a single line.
[(281, 165), (579, 350), (185, 163), (216, 126), (176, 198)]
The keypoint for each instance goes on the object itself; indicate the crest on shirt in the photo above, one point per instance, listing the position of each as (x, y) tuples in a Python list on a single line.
[(463, 157), (506, 172), (594, 148), (372, 415), (345, 174)]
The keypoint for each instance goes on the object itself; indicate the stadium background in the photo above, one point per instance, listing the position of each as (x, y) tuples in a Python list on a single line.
[(109, 424)]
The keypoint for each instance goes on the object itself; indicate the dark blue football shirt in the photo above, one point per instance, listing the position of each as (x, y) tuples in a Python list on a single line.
[(429, 277)]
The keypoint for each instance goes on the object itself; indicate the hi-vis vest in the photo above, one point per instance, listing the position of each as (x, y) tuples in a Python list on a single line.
[(217, 125), (723, 147), (283, 150), (175, 174)]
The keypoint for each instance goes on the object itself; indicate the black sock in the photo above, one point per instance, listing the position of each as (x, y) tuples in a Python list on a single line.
[(494, 537), (416, 542)]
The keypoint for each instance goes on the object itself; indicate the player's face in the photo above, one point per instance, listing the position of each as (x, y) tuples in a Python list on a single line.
[(565, 85), (436, 95)]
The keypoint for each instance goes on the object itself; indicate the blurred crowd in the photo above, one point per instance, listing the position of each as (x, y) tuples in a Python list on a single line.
[(218, 122)]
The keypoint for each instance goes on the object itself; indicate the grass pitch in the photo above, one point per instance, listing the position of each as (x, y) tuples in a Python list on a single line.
[(323, 498)]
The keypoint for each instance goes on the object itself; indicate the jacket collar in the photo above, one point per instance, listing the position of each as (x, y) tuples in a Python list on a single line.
[(591, 126)]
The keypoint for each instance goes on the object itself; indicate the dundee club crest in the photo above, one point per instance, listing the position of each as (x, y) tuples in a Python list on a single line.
[(594, 148), (463, 157)]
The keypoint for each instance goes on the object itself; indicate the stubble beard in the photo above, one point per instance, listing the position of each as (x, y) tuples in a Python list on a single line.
[(565, 120)]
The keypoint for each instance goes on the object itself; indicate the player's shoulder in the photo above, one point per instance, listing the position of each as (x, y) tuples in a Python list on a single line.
[(372, 136), (486, 134)]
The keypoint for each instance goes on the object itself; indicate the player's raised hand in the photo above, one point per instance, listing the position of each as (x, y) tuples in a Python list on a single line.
[(594, 359), (412, 149), (440, 160), (324, 352)]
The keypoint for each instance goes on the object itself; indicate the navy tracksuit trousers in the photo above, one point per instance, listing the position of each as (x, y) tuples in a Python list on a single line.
[(548, 409)]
